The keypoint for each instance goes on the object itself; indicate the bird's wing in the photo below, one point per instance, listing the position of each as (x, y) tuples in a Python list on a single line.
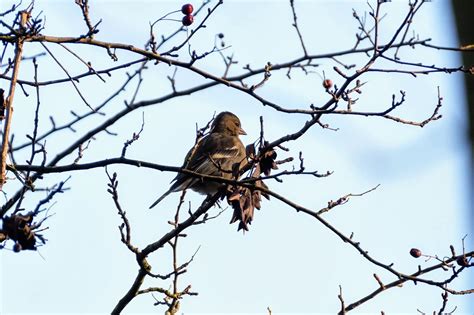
[(213, 155)]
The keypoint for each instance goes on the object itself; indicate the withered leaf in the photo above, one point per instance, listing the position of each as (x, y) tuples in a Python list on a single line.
[(250, 151), (244, 200), (18, 227)]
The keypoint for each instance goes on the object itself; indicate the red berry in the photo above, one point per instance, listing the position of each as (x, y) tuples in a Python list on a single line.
[(187, 9), (17, 247), (415, 252), (188, 20), (327, 84)]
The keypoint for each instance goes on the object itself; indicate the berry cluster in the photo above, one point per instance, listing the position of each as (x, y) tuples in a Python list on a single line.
[(187, 10)]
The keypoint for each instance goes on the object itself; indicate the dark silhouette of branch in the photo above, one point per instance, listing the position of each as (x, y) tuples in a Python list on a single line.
[(341, 90), (134, 289), (23, 16)]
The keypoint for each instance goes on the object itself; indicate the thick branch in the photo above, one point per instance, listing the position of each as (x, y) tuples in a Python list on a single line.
[(24, 15)]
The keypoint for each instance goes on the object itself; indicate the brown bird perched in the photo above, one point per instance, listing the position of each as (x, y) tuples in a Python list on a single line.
[(216, 154)]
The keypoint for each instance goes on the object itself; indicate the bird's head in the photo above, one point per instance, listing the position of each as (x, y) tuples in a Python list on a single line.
[(227, 123)]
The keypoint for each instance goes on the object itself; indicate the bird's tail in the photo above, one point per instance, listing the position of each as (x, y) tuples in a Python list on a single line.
[(161, 198), (179, 184)]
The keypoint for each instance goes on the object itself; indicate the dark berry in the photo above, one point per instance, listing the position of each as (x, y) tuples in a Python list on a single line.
[(187, 9), (188, 20), (415, 252), (462, 261), (17, 247)]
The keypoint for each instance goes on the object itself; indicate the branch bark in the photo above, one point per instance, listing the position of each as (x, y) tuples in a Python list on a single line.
[(24, 16)]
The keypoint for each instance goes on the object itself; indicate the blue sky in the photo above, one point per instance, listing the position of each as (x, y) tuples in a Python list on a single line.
[(287, 261)]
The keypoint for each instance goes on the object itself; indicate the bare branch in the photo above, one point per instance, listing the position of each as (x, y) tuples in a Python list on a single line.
[(24, 16)]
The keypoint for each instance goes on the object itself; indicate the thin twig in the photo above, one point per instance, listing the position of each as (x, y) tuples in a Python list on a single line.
[(67, 73), (295, 25), (87, 64)]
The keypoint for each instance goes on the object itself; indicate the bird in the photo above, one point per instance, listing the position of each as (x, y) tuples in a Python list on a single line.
[(216, 154)]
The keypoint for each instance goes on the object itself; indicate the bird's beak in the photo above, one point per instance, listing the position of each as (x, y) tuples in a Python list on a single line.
[(242, 132)]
